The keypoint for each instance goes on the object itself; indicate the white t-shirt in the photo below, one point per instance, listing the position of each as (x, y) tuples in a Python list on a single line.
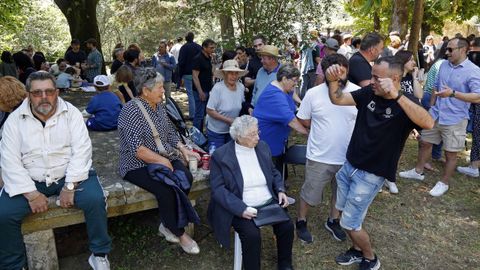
[(331, 125), (345, 50)]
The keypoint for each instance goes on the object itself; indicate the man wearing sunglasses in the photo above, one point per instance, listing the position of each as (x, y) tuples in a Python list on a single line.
[(46, 151), (457, 85)]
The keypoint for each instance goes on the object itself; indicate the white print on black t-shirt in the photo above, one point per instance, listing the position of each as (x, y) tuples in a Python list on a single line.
[(388, 113), (406, 84), (371, 106)]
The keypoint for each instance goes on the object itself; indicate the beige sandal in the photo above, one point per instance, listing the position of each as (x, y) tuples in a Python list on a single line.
[(169, 236), (192, 248)]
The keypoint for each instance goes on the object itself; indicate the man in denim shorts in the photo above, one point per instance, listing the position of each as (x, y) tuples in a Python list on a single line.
[(384, 120), (457, 85), (331, 128)]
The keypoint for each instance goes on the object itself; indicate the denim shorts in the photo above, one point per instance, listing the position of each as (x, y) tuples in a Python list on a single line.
[(356, 190)]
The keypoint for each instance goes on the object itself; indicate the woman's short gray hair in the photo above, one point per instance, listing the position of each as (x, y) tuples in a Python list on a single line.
[(148, 77), (241, 125), (289, 71)]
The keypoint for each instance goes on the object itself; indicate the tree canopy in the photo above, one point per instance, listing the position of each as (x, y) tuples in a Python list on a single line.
[(436, 13), (40, 22)]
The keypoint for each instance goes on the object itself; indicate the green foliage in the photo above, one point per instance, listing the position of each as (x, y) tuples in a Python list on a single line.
[(46, 29), (275, 19), (436, 12), (144, 22), (12, 15)]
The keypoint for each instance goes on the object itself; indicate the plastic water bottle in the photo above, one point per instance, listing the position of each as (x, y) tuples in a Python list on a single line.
[(212, 149)]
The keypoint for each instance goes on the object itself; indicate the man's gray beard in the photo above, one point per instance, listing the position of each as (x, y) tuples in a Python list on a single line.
[(44, 110)]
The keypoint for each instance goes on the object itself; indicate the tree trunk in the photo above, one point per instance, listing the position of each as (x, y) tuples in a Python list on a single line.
[(227, 32), (248, 22), (376, 21), (425, 30), (417, 20), (82, 19), (399, 20)]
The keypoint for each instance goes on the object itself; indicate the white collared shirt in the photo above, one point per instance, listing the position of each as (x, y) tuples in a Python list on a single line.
[(45, 154), (255, 190)]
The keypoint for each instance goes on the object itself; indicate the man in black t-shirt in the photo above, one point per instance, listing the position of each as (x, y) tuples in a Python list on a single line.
[(384, 120), (255, 62), (360, 71), (75, 56), (202, 75)]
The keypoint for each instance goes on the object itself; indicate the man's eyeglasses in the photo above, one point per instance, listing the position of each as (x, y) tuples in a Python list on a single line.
[(450, 50), (295, 81), (39, 93)]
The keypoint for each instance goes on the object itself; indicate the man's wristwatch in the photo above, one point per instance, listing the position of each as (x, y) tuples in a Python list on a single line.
[(452, 94), (70, 187), (400, 94)]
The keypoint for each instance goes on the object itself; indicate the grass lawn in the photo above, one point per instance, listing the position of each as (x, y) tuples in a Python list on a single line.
[(410, 230)]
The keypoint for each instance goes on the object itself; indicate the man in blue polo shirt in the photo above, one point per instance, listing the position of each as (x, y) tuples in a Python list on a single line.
[(457, 85), (269, 55)]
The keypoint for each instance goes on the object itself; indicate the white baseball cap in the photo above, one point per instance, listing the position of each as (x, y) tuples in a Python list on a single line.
[(101, 81)]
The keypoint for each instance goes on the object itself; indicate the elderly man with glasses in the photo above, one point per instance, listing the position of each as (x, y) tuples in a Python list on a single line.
[(46, 151), (457, 85)]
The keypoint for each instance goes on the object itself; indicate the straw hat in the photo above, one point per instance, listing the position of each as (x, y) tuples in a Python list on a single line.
[(230, 65), (269, 50)]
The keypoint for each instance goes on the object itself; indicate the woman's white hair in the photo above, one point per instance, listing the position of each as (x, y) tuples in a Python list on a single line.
[(148, 77), (241, 125)]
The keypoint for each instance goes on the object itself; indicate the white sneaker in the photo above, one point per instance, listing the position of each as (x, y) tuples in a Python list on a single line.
[(439, 189), (468, 171), (391, 186), (99, 263), (169, 236), (412, 174)]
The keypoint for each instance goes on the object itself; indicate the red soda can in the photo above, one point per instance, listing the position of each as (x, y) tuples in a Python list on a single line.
[(206, 162)]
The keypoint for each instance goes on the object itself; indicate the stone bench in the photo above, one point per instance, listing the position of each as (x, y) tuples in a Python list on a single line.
[(122, 197)]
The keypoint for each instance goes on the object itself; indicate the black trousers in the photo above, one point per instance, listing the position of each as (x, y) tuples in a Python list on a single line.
[(251, 239), (167, 201), (278, 162)]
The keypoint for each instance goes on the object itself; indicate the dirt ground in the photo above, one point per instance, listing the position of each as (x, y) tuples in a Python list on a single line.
[(410, 230)]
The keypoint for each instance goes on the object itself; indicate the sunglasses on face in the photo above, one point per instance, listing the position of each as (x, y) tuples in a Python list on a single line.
[(450, 50), (39, 93)]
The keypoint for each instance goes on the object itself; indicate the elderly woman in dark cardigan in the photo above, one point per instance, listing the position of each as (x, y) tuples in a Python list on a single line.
[(139, 149), (242, 177)]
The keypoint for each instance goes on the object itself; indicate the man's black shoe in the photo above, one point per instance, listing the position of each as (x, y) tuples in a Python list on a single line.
[(335, 229), (367, 264), (351, 256), (302, 232)]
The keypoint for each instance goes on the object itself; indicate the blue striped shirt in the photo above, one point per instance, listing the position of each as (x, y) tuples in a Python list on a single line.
[(464, 78)]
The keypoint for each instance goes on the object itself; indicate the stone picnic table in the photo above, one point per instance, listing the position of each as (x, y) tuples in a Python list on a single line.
[(122, 197)]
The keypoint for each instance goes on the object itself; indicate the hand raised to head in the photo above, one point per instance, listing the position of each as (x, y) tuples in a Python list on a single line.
[(335, 72)]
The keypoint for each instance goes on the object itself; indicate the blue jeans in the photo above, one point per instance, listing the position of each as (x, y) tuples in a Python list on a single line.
[(356, 190), (200, 110), (437, 148), (89, 197), (188, 83), (218, 139), (308, 81)]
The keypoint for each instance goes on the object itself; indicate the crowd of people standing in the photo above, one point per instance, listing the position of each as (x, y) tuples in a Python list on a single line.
[(355, 100)]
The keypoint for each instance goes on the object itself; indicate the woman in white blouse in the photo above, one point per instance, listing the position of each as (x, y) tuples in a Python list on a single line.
[(242, 177)]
